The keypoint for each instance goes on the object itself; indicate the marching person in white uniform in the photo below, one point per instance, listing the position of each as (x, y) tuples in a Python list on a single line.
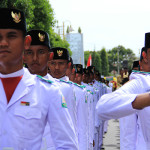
[(131, 98), (27, 102), (129, 124), (57, 67), (36, 59), (82, 108), (85, 77)]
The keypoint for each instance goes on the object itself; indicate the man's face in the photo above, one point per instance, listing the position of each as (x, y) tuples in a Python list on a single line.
[(11, 47), (96, 77), (91, 77), (72, 76), (36, 58), (78, 78), (148, 59), (69, 71), (58, 68), (84, 78)]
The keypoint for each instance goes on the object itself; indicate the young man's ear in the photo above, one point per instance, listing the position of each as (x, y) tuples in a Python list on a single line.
[(73, 70), (51, 55), (69, 64), (144, 55), (27, 42)]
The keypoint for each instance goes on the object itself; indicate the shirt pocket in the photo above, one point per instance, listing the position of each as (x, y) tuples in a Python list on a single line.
[(28, 122)]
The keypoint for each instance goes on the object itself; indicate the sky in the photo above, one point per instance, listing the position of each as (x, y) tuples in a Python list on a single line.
[(106, 23)]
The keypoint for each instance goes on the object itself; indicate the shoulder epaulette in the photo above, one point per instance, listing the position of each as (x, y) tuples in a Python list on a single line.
[(78, 85), (90, 92), (69, 82), (90, 84), (140, 72), (83, 86), (44, 79)]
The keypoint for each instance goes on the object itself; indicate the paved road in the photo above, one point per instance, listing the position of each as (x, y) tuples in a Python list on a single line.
[(111, 140)]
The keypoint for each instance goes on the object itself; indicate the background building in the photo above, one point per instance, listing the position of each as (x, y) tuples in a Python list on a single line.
[(76, 45)]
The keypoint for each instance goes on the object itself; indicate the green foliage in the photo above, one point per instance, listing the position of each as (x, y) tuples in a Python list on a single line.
[(43, 15), (104, 62), (79, 30), (3, 4), (27, 7), (86, 56), (56, 41), (96, 61), (124, 54), (67, 29)]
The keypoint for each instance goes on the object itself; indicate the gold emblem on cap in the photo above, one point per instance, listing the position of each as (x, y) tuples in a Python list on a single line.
[(41, 37), (16, 16), (78, 68), (60, 53)]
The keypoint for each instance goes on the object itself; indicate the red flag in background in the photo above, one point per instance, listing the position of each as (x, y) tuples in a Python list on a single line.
[(89, 62)]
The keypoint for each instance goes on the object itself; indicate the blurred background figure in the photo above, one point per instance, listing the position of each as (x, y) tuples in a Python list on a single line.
[(125, 75)]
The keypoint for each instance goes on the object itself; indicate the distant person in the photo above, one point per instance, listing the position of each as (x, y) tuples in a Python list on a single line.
[(125, 75)]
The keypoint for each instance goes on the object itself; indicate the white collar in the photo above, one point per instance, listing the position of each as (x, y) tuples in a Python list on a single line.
[(14, 74), (66, 78)]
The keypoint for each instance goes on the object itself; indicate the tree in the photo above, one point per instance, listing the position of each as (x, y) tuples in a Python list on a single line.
[(124, 54), (96, 61), (56, 41), (104, 62), (43, 15), (68, 31), (3, 3), (79, 30), (86, 56)]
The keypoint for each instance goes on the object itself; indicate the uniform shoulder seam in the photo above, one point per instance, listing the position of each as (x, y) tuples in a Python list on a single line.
[(44, 79)]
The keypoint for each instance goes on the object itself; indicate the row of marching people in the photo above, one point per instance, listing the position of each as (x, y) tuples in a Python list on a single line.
[(81, 88), (45, 105)]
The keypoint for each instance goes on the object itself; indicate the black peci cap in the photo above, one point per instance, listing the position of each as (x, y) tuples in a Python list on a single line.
[(60, 53), (78, 68), (86, 71), (39, 37), (12, 19), (91, 69), (135, 63), (147, 40)]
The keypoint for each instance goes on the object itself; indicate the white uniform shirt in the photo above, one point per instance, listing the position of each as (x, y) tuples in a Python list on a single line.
[(91, 117), (22, 126), (131, 137), (68, 93), (119, 104), (82, 117)]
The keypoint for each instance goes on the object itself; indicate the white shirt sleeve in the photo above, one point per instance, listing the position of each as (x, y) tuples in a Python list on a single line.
[(119, 103)]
